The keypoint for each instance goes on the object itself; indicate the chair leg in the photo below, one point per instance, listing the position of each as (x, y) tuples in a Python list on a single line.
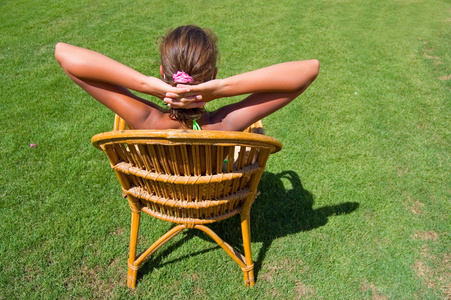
[(248, 271), (132, 267)]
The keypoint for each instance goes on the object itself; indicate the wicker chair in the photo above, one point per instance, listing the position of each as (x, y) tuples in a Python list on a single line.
[(190, 178)]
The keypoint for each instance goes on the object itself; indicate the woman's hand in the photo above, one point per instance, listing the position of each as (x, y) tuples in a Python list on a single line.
[(182, 97), (192, 96)]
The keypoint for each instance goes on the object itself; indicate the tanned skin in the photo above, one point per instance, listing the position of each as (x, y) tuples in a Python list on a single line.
[(111, 83)]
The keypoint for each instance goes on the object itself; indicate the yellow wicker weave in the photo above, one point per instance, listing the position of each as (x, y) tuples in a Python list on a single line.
[(187, 177)]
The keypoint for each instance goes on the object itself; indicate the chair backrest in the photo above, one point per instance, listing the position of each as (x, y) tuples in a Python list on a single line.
[(186, 176), (120, 124)]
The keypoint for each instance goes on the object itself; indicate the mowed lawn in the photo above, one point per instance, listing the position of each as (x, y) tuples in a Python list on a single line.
[(356, 205)]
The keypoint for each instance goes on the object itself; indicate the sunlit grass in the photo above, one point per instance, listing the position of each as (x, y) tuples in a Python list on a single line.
[(355, 206)]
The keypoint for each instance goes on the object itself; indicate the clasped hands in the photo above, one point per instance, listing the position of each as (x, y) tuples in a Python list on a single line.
[(191, 96)]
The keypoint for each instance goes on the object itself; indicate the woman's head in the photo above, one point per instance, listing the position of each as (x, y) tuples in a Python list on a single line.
[(190, 49), (193, 51)]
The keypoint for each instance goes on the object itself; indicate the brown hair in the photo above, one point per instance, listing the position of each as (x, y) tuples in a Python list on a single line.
[(192, 50)]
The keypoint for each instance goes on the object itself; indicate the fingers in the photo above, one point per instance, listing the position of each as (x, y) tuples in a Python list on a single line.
[(176, 99), (186, 87), (183, 97), (183, 104), (186, 96), (187, 102)]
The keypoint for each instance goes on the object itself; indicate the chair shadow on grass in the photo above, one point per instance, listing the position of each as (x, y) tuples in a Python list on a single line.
[(277, 212)]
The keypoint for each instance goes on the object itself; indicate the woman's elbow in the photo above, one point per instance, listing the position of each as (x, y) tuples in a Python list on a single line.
[(61, 55), (307, 73), (58, 50), (314, 67)]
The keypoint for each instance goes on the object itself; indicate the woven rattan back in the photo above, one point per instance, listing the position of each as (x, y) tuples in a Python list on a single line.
[(188, 177)]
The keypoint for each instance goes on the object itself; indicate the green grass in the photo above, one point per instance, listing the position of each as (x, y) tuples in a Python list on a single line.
[(356, 206)]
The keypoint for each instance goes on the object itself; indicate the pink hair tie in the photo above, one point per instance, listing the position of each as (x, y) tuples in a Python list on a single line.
[(182, 77)]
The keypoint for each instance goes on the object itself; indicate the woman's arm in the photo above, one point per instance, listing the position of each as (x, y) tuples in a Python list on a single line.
[(90, 65), (109, 82), (271, 89), (285, 77)]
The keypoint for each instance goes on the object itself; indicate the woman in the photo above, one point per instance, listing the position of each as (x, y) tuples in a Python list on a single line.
[(188, 70)]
